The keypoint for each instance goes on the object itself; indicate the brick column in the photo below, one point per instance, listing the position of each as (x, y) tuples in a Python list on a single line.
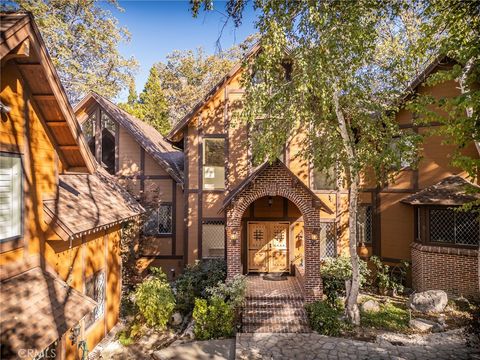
[(234, 261), (313, 280)]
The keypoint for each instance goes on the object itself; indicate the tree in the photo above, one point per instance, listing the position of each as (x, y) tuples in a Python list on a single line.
[(339, 90), (186, 75), (82, 39), (153, 103)]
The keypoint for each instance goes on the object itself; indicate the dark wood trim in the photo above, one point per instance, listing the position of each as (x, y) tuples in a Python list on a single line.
[(200, 192), (377, 224), (393, 260), (244, 248), (213, 136), (214, 191), (146, 177), (142, 170), (160, 236), (193, 191), (162, 257), (98, 135), (117, 147), (281, 219), (207, 219), (185, 197), (174, 217)]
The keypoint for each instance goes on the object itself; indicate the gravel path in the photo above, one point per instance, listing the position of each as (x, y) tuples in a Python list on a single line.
[(448, 345)]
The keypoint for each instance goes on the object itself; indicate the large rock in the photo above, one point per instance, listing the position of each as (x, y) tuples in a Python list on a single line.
[(176, 319), (428, 301), (371, 305), (422, 324)]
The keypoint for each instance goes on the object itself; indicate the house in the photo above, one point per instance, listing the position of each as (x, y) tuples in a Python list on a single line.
[(285, 216), (150, 168), (61, 217)]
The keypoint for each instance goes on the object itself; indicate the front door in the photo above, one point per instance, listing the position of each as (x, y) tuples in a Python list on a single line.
[(267, 247)]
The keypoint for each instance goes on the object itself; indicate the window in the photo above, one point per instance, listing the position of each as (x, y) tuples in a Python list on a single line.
[(454, 227), (213, 239), (324, 180), (365, 224), (213, 164), (95, 289), (11, 196), (159, 221), (88, 128), (404, 151), (328, 240)]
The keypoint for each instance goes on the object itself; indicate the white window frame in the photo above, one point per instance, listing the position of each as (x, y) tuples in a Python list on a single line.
[(14, 226)]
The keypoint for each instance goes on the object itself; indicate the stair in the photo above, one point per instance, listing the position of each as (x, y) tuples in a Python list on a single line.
[(279, 314)]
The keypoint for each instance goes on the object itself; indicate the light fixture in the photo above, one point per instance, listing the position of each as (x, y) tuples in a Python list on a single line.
[(270, 201), (234, 236), (314, 236)]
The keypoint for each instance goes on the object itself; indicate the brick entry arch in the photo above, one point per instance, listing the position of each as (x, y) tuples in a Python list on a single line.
[(276, 180)]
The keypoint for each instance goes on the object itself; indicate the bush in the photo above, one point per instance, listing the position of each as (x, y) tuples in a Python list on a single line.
[(390, 317), (154, 299), (214, 318), (335, 271), (385, 279), (195, 280), (232, 292), (325, 319)]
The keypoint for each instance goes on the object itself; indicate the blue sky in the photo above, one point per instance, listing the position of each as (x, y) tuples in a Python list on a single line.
[(159, 27)]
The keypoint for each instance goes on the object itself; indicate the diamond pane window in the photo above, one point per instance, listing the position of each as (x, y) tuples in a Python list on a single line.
[(452, 227), (95, 289), (165, 219), (213, 239), (365, 224), (328, 240)]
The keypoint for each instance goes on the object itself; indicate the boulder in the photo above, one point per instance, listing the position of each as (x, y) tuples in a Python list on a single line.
[(176, 319), (371, 305), (422, 324), (428, 301)]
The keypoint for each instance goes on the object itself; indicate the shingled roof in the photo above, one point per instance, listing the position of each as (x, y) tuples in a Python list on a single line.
[(146, 135), (451, 191), (37, 308), (88, 203)]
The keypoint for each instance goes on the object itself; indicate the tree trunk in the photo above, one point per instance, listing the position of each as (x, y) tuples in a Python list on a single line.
[(351, 307)]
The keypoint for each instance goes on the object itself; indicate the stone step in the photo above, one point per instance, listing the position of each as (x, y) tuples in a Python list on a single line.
[(282, 320), (276, 328), (259, 303)]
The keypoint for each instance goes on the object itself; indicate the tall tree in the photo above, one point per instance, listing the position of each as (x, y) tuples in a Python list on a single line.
[(339, 90), (82, 39), (153, 103)]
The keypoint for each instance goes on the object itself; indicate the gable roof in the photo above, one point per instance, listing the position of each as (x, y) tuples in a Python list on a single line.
[(214, 90), (37, 308), (20, 41), (451, 191), (256, 173), (147, 136), (89, 202)]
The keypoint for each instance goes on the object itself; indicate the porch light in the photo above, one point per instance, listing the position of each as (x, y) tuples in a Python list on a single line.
[(234, 236), (270, 201), (314, 236)]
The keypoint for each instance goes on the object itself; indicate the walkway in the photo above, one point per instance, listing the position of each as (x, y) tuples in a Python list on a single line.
[(274, 306), (314, 346)]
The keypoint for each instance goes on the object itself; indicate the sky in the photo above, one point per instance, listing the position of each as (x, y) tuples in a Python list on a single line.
[(159, 27)]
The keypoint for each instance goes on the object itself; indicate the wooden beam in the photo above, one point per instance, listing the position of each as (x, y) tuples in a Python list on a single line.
[(69, 147), (21, 51), (57, 123), (44, 97)]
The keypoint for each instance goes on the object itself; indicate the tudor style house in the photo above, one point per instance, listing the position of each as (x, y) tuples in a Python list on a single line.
[(285, 216), (61, 217), (150, 168)]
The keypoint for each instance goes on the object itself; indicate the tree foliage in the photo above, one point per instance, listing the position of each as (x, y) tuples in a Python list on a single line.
[(82, 39)]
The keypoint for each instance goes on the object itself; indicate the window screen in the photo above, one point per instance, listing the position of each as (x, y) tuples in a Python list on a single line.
[(365, 224), (213, 164), (448, 226), (10, 196), (95, 289), (328, 240), (158, 221), (213, 239)]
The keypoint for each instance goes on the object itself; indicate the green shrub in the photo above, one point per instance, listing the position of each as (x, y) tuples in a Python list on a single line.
[(195, 280), (214, 318), (325, 319), (385, 279), (155, 299), (232, 291), (390, 317), (335, 271)]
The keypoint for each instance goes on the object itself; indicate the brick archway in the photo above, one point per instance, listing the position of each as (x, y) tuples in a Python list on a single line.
[(276, 180)]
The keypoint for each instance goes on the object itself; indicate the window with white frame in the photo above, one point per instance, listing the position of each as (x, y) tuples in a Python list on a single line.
[(158, 221), (364, 224), (213, 239), (11, 196), (213, 163), (95, 289)]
